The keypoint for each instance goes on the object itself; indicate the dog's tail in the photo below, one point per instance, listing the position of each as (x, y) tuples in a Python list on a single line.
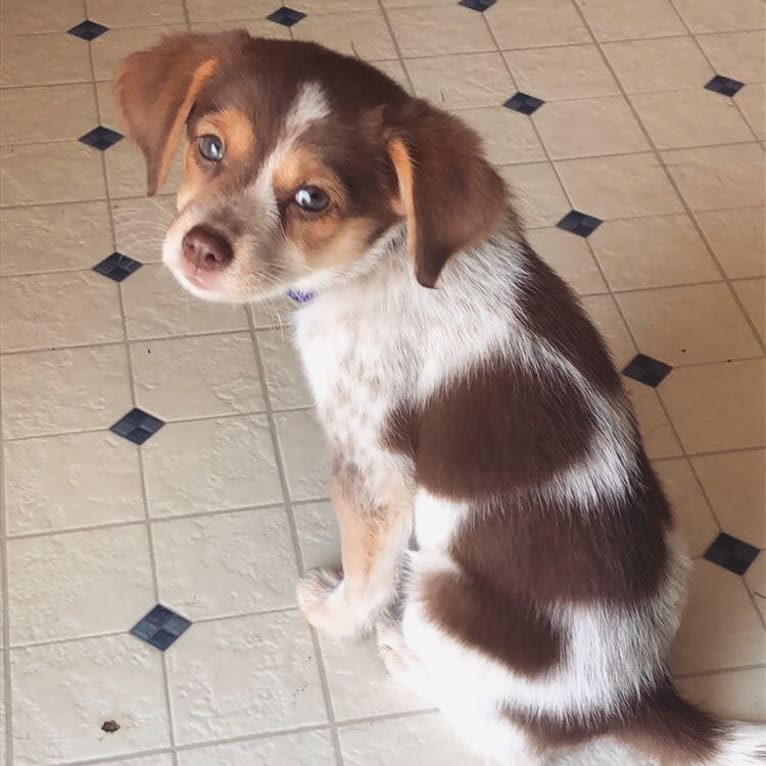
[(681, 733)]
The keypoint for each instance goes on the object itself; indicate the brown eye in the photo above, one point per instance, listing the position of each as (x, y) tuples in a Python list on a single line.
[(311, 198), (211, 148)]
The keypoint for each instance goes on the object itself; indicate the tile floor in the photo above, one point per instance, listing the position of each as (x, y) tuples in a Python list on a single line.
[(646, 117)]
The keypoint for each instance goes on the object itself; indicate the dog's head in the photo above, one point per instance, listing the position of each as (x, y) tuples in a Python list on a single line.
[(298, 160)]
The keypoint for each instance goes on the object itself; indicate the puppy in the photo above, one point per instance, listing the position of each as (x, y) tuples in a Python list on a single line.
[(469, 404)]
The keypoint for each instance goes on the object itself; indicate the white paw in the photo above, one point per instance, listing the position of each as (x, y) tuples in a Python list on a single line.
[(324, 602)]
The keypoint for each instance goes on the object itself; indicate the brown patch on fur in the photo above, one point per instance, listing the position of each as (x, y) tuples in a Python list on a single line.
[(660, 723), (550, 310), (500, 429), (452, 196), (486, 617), (498, 439)]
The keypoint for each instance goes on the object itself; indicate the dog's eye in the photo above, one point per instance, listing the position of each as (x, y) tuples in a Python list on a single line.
[(311, 198), (211, 148)]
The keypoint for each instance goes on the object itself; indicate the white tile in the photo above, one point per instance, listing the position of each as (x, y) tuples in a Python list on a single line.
[(62, 482), (226, 564), (539, 198), (735, 483), (604, 314), (720, 626), (686, 325), (318, 535), (71, 236), (305, 453), (140, 224), (65, 171), (529, 23), (42, 16), (47, 113), (362, 34), (659, 438), (246, 675), (50, 392), (570, 256), (78, 583), (692, 513), (734, 694), (58, 310), (311, 748), (62, 694), (197, 377), (627, 186), (426, 739), (718, 177), (652, 252), (717, 407), (461, 82), (157, 306), (283, 369), (209, 465), (354, 667), (507, 136), (44, 59)]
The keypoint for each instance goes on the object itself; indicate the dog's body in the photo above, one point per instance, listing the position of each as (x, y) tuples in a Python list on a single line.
[(482, 420)]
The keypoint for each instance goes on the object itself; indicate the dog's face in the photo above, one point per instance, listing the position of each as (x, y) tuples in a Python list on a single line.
[(298, 160)]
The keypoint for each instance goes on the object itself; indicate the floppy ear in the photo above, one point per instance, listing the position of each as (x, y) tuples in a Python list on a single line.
[(155, 91), (451, 196)]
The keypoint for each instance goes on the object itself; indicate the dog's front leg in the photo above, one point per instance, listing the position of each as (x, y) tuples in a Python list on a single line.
[(374, 533)]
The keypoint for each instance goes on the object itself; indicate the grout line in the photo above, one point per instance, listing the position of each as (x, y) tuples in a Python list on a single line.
[(132, 383), (163, 519), (399, 57), (456, 110), (227, 416), (123, 632), (322, 671), (6, 698), (720, 671)]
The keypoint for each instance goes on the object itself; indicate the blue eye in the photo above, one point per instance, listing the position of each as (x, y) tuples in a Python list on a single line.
[(311, 198), (211, 148)]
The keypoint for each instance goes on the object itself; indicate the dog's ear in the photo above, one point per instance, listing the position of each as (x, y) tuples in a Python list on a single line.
[(451, 196), (155, 90)]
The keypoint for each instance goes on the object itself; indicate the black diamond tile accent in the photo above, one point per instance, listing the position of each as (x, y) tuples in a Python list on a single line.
[(286, 16), (731, 553), (646, 370), (88, 30), (477, 5), (117, 266), (725, 85), (524, 103), (137, 426), (581, 224), (101, 138), (161, 627)]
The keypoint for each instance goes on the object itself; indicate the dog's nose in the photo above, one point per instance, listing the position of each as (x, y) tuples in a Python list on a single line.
[(207, 249)]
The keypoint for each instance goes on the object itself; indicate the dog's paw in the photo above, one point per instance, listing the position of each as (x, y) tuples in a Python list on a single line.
[(324, 602)]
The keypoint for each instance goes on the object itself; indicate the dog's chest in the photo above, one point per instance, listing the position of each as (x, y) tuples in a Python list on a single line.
[(350, 364)]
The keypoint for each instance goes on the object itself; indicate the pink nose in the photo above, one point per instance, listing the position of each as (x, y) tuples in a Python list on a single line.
[(207, 249)]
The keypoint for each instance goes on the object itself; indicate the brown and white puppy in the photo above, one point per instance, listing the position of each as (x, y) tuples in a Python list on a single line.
[(469, 403)]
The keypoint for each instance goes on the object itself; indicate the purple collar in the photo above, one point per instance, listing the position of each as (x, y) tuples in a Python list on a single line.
[(299, 296)]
